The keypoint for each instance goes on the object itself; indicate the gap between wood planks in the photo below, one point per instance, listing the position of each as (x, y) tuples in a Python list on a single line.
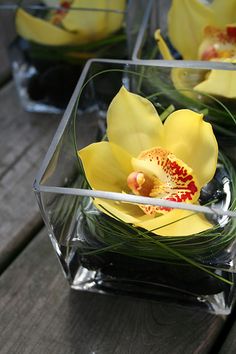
[(17, 252), (224, 332), (4, 79)]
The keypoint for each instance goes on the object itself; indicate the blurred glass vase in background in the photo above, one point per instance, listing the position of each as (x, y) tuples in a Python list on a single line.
[(195, 33), (56, 38)]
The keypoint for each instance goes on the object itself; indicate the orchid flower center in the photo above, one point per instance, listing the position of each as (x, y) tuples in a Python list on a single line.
[(58, 15), (218, 43), (159, 173)]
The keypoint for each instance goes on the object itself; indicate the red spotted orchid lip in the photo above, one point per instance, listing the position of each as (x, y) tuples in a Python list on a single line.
[(218, 43), (158, 173)]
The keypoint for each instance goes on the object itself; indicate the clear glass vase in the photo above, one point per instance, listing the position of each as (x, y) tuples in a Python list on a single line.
[(196, 271), (46, 65)]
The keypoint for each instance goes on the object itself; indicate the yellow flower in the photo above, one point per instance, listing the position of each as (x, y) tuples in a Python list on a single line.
[(201, 31), (145, 157), (63, 27)]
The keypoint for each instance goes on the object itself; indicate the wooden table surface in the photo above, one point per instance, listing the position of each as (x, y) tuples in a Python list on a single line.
[(39, 313)]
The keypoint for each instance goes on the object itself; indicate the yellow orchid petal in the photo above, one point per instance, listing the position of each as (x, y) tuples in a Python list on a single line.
[(102, 170), (224, 11), (127, 212), (186, 21), (178, 222), (184, 80), (165, 52), (133, 123), (115, 20), (42, 32), (192, 140), (219, 83), (94, 25), (181, 223), (122, 157)]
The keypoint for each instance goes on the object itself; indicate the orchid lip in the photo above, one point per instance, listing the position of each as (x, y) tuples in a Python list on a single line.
[(162, 175)]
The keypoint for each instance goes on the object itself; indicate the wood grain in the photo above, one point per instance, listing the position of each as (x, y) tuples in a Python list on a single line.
[(24, 140), (230, 343), (40, 314)]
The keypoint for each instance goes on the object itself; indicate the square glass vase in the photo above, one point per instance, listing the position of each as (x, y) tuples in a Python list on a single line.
[(45, 67), (101, 253)]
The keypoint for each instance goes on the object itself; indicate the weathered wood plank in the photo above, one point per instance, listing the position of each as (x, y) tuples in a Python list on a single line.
[(40, 314), (229, 346), (24, 140)]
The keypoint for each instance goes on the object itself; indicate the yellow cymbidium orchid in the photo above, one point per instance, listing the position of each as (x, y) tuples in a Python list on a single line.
[(68, 27), (145, 157), (201, 31)]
